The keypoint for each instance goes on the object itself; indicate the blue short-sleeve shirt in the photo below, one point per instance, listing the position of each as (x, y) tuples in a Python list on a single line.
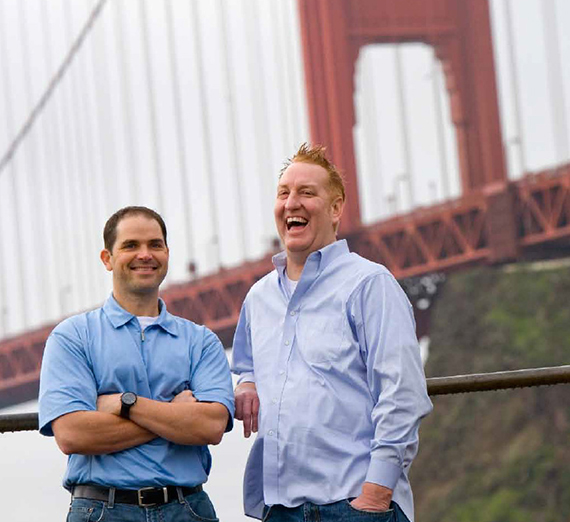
[(104, 351)]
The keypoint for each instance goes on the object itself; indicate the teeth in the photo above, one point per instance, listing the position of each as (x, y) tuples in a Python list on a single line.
[(296, 219)]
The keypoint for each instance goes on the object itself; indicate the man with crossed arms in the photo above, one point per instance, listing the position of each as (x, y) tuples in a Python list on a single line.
[(328, 360), (134, 394)]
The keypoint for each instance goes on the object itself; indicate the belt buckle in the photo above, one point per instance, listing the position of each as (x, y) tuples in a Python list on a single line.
[(140, 494)]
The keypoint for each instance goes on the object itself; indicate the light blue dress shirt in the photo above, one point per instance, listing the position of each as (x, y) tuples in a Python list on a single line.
[(338, 372), (102, 352)]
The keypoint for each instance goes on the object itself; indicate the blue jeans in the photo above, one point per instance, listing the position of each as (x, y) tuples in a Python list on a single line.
[(340, 511), (193, 508)]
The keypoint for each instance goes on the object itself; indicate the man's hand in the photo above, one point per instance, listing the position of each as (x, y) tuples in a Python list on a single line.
[(110, 403), (373, 498), (185, 396), (247, 407)]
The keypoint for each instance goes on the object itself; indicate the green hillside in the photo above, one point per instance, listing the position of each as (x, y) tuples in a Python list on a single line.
[(497, 456)]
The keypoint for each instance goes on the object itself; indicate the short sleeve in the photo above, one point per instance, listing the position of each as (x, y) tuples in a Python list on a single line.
[(67, 382), (211, 379)]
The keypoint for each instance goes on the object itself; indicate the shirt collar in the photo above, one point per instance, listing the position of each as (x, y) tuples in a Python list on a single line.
[(323, 257), (119, 316)]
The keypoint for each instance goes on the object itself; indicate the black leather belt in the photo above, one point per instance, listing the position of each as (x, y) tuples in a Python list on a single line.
[(143, 497)]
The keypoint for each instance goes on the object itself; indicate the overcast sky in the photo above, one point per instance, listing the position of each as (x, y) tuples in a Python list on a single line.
[(108, 131), (191, 108)]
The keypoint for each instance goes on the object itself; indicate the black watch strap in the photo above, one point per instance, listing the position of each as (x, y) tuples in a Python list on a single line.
[(128, 400)]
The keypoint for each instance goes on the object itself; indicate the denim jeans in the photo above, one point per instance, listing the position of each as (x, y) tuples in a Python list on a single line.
[(193, 508), (340, 511)]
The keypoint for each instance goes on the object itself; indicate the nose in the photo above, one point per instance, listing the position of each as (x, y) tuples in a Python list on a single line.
[(292, 201), (144, 253)]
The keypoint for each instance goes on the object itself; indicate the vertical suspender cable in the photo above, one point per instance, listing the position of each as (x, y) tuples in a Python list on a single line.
[(37, 233), (68, 294), (9, 119), (94, 176), (514, 82), (3, 275), (233, 131), (205, 119), (294, 70), (288, 76), (281, 58), (405, 131), (103, 114), (107, 149), (262, 130), (90, 177), (56, 182), (38, 170), (80, 168), (128, 127), (180, 132), (370, 124), (555, 81), (437, 88), (152, 106)]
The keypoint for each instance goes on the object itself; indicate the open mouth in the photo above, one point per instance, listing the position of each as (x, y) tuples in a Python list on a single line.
[(296, 223)]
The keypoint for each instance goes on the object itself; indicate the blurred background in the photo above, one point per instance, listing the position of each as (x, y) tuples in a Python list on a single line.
[(448, 117)]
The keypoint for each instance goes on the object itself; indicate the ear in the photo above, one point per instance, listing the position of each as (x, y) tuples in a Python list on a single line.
[(106, 258), (337, 206)]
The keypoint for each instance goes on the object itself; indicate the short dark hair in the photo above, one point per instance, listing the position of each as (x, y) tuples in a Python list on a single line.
[(110, 230)]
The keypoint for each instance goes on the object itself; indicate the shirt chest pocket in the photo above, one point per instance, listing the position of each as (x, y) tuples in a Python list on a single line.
[(320, 339)]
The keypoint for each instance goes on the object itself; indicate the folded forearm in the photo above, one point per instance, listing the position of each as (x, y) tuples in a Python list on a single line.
[(196, 423), (97, 433)]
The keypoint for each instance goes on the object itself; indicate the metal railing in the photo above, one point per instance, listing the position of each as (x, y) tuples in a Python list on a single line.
[(475, 382)]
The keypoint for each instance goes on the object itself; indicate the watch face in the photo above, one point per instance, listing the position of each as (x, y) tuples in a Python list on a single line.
[(128, 398)]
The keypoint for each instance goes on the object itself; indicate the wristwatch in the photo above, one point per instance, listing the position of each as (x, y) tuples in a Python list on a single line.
[(128, 400)]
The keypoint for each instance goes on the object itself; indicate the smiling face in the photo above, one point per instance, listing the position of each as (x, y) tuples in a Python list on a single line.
[(138, 259), (306, 211)]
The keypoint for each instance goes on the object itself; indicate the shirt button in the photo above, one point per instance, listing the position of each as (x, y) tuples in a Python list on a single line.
[(281, 372), (286, 343), (292, 312), (270, 433), (274, 401)]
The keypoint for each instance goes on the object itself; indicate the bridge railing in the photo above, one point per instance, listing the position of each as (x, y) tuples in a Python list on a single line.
[(475, 382)]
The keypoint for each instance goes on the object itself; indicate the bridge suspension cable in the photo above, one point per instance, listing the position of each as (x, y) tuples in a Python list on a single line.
[(513, 71), (206, 136), (152, 107), (555, 81), (14, 199), (36, 111), (180, 134), (232, 128)]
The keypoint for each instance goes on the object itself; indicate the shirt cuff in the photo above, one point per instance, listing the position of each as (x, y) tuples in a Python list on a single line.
[(246, 377), (383, 473)]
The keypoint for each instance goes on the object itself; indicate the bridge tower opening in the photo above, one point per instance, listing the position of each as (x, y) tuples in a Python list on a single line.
[(334, 31)]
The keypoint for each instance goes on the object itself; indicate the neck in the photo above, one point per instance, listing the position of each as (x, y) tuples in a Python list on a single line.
[(295, 265), (139, 305)]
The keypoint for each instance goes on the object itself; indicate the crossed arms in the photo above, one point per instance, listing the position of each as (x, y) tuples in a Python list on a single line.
[(184, 420)]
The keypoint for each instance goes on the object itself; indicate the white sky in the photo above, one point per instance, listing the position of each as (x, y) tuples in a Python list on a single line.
[(92, 151)]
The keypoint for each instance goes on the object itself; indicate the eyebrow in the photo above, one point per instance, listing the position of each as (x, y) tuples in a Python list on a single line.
[(153, 240), (300, 187)]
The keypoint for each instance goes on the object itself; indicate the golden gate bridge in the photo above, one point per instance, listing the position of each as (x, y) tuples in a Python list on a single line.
[(495, 219)]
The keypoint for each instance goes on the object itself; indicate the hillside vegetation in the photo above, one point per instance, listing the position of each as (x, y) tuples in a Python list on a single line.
[(497, 456)]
